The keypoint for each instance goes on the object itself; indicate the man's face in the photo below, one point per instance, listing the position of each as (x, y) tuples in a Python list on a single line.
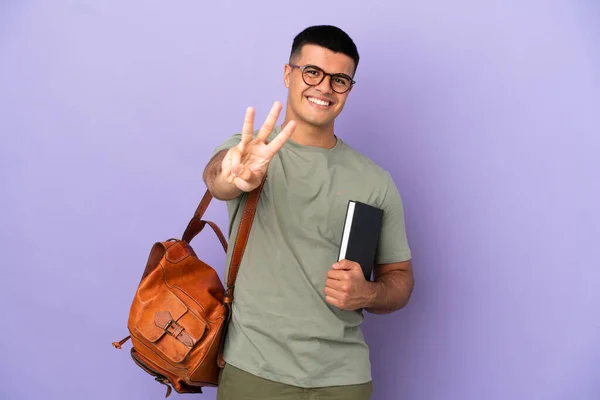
[(306, 103)]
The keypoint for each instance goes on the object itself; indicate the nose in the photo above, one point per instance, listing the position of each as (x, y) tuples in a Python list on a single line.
[(325, 85)]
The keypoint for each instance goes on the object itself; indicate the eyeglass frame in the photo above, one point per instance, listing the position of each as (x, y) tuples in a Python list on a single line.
[(331, 76)]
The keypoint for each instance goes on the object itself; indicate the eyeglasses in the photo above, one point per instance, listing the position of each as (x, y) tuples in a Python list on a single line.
[(313, 76)]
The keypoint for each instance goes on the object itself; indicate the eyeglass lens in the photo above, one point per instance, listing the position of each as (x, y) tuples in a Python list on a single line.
[(313, 76)]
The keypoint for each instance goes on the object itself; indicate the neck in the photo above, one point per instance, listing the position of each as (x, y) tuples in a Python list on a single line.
[(314, 136)]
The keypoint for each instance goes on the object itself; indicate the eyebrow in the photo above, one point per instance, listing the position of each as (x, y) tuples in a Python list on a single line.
[(332, 73)]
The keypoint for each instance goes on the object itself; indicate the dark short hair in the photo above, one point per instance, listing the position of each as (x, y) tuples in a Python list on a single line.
[(328, 36)]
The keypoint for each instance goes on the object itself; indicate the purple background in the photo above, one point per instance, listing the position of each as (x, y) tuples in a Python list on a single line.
[(487, 114)]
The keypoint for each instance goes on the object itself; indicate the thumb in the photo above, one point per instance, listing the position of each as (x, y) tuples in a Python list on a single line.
[(354, 266), (343, 264)]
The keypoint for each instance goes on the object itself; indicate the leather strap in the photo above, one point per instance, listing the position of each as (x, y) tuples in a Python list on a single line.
[(242, 239), (197, 223), (164, 320)]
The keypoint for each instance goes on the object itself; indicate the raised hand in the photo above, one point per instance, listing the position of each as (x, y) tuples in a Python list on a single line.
[(246, 164)]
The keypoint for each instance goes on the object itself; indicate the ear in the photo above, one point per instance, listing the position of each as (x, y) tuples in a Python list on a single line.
[(287, 70)]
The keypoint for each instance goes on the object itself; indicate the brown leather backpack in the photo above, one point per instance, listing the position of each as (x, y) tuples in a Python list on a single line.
[(179, 316)]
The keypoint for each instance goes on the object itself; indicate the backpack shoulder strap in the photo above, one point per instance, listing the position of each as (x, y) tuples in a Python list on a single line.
[(242, 239), (196, 225)]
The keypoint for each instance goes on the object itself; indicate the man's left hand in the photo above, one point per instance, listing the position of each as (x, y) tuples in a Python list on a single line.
[(346, 286)]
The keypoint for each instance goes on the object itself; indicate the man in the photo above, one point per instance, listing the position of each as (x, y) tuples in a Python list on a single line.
[(295, 328)]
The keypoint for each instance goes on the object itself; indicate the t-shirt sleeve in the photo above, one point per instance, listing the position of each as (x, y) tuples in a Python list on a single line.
[(228, 143), (393, 242)]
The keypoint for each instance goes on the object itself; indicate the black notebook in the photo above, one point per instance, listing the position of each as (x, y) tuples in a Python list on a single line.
[(360, 236)]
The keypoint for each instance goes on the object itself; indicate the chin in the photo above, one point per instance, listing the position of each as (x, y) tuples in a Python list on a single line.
[(318, 123)]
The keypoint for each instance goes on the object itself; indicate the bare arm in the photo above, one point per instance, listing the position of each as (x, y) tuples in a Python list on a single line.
[(216, 182), (392, 288)]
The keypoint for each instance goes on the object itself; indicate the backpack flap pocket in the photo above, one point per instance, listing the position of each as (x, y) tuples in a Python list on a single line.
[(173, 329)]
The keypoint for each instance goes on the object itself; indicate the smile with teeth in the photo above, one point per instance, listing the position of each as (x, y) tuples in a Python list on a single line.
[(318, 102)]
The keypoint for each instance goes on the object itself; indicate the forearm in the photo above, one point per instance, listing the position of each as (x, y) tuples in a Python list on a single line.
[(216, 182), (390, 292)]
